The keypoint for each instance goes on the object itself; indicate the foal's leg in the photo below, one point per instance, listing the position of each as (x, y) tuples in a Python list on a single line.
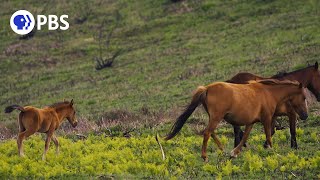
[(292, 121), (236, 151), (56, 142), (49, 135), (213, 123), (21, 137)]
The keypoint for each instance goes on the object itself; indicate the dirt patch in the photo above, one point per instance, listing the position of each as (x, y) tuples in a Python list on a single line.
[(6, 133), (19, 49)]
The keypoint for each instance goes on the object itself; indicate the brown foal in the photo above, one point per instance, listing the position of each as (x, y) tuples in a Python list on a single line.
[(46, 120)]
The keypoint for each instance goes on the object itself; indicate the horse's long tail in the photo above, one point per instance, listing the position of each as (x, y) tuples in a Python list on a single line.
[(9, 109), (198, 98)]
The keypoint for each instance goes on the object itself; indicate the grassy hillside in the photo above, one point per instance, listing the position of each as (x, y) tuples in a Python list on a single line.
[(170, 49)]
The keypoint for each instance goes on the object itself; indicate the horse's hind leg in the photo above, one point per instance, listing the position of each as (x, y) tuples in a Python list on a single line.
[(236, 151), (56, 142), (213, 123), (21, 127), (292, 121), (216, 140), (237, 135)]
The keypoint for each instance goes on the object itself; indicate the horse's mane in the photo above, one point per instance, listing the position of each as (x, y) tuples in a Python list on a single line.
[(282, 74), (277, 82), (59, 104)]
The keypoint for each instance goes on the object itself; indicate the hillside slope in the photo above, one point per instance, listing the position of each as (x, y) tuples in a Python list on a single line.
[(169, 49)]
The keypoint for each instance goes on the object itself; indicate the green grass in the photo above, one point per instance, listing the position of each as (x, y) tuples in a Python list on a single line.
[(140, 157)]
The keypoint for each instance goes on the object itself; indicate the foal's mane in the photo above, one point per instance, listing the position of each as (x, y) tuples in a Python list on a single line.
[(277, 82)]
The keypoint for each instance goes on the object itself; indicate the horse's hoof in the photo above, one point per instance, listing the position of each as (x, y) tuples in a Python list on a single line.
[(294, 146), (43, 158), (233, 154), (205, 159), (245, 145), (266, 145)]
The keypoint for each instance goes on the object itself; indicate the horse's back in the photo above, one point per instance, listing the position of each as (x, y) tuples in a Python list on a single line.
[(37, 119), (230, 94), (243, 78), (239, 103)]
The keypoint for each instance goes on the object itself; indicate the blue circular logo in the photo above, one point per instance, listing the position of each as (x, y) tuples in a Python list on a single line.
[(22, 22)]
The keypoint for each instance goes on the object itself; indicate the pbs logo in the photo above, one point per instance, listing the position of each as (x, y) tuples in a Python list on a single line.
[(22, 22)]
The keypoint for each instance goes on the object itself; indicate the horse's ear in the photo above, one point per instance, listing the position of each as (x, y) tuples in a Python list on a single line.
[(300, 85), (71, 103), (316, 65)]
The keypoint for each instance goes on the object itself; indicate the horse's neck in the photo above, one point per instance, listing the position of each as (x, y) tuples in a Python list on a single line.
[(282, 92), (303, 77), (61, 114)]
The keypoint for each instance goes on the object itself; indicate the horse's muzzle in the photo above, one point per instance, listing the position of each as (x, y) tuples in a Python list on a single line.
[(303, 116)]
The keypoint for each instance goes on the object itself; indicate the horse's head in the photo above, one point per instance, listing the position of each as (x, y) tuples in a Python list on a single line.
[(314, 84), (71, 115), (299, 103)]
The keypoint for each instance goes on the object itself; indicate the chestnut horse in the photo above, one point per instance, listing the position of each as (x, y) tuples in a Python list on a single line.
[(242, 104), (309, 77), (46, 120)]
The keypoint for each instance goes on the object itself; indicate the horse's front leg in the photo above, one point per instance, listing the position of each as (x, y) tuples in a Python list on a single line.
[(56, 142), (273, 124), (292, 121), (47, 144), (267, 129), (236, 151)]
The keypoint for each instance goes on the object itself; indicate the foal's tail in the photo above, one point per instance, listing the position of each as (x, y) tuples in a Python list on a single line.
[(197, 99), (9, 109)]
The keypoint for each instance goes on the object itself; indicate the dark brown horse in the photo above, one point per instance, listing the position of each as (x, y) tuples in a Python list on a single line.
[(46, 120), (309, 77), (242, 104)]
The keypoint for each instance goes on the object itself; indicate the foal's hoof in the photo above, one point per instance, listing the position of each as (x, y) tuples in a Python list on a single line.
[(43, 158), (22, 155)]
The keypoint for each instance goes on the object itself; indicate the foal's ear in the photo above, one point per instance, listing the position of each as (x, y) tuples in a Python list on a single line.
[(71, 103), (316, 65), (300, 85)]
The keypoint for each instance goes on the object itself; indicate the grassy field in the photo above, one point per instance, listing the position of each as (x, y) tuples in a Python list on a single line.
[(102, 156), (168, 50)]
